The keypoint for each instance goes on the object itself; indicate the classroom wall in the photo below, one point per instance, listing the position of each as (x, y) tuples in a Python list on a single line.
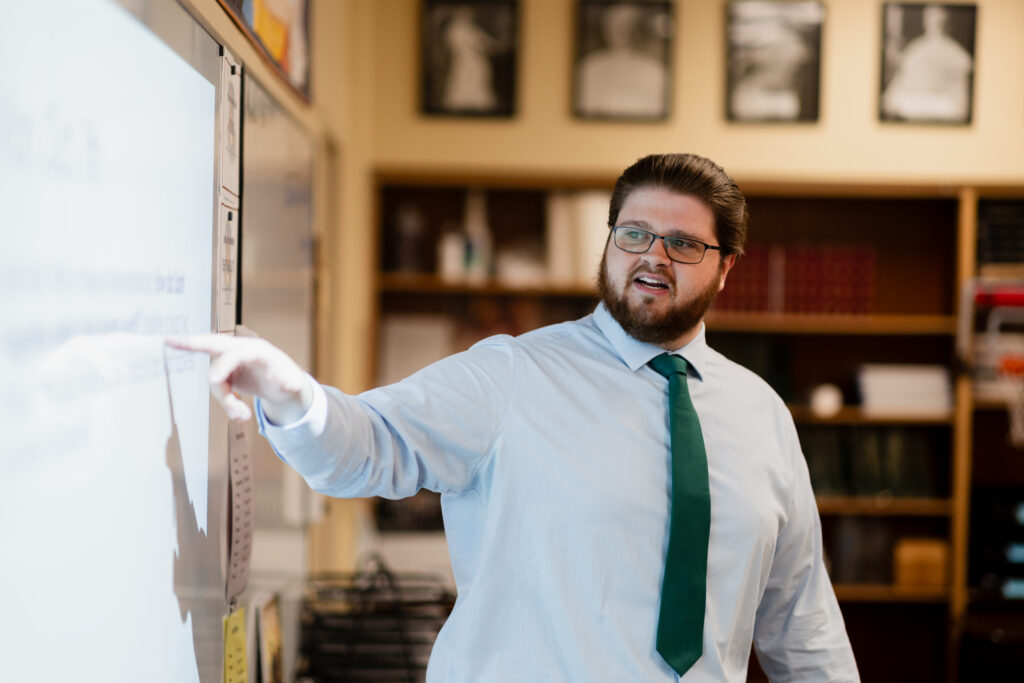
[(342, 83), (365, 113), (847, 144), (338, 125)]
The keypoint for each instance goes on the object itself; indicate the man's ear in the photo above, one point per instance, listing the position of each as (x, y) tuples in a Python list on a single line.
[(728, 261)]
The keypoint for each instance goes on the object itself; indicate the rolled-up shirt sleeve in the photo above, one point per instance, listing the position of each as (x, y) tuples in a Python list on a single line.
[(433, 430), (799, 633)]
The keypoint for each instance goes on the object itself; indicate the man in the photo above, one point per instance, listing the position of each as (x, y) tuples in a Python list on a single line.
[(555, 457)]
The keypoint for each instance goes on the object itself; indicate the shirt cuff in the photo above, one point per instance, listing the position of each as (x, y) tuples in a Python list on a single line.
[(309, 426)]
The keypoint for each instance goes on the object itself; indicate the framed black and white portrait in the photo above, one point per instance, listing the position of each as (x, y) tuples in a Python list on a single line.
[(927, 63), (774, 60), (469, 57), (623, 58)]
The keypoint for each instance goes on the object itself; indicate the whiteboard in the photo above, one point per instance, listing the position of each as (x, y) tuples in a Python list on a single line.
[(111, 475)]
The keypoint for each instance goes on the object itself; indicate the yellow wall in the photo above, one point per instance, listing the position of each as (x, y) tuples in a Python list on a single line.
[(365, 84), (847, 144), (366, 70), (339, 81)]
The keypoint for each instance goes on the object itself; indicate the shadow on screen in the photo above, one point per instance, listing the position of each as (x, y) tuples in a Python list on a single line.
[(196, 558)]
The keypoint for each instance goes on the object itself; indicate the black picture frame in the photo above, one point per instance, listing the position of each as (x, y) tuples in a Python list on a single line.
[(469, 51), (927, 63), (773, 56), (623, 60)]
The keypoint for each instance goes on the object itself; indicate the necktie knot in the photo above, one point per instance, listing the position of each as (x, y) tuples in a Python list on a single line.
[(667, 365)]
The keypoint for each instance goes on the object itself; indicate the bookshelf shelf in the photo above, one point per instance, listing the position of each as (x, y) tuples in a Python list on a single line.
[(780, 323), (869, 592), (884, 506), (990, 404), (854, 415), (993, 598), (401, 283), (783, 323)]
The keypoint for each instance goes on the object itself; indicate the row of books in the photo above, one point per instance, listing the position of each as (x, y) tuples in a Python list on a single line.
[(859, 550), (1000, 235), (820, 279), (870, 461), (871, 550)]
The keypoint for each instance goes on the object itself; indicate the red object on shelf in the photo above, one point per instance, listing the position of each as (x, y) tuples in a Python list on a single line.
[(1001, 296), (1012, 365)]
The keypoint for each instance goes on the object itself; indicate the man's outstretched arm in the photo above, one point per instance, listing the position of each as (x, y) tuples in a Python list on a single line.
[(254, 367)]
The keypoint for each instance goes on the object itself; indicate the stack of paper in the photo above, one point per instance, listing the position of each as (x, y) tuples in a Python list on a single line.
[(898, 389), (561, 239), (412, 341), (577, 231)]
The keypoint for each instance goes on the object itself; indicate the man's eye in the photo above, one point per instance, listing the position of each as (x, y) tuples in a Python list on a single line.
[(681, 243), (636, 235)]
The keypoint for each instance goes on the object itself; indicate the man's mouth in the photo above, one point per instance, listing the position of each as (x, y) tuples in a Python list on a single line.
[(650, 282)]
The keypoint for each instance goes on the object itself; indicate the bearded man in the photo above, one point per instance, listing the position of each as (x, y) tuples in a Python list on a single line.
[(621, 502)]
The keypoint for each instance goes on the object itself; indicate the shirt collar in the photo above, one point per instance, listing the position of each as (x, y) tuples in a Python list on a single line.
[(636, 354)]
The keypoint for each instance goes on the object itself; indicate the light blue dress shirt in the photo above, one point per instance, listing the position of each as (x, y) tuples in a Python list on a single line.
[(551, 452)]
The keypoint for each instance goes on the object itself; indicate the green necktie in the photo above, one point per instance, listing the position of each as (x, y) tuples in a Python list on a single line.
[(681, 617)]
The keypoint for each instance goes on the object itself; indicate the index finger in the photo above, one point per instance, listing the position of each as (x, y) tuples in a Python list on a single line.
[(204, 343)]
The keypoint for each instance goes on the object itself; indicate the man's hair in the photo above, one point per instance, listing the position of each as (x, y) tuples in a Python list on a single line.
[(693, 175)]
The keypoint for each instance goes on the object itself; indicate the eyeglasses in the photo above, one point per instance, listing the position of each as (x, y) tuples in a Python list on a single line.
[(679, 249)]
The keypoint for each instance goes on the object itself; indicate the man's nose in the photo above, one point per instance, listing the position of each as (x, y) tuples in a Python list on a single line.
[(657, 254)]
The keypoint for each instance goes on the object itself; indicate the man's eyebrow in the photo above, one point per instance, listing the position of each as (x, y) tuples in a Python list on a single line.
[(640, 223)]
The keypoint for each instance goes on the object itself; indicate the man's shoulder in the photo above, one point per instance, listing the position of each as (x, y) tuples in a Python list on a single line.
[(564, 339), (557, 333), (742, 379)]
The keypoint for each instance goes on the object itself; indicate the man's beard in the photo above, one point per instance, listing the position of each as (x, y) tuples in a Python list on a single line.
[(643, 324)]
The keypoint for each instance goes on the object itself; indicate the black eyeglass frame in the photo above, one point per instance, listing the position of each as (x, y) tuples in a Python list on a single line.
[(664, 239)]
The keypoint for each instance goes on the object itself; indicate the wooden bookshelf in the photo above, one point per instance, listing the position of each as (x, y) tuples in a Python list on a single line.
[(991, 403), (884, 506), (870, 592), (782, 323), (403, 283), (912, 319), (794, 323), (854, 415)]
